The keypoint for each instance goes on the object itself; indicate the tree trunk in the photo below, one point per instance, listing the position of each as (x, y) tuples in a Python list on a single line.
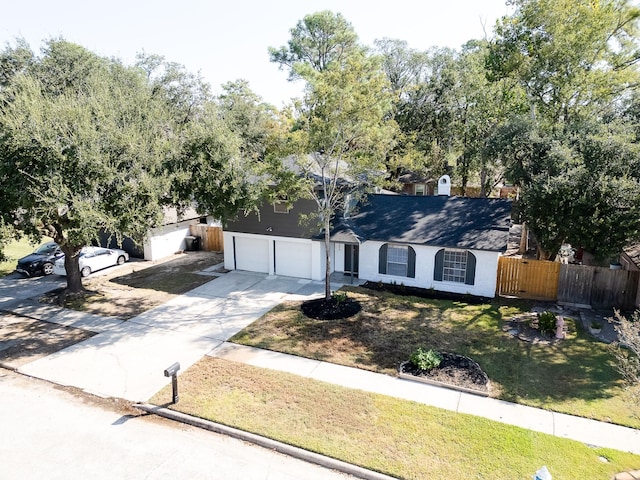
[(483, 180), (327, 256), (74, 279)]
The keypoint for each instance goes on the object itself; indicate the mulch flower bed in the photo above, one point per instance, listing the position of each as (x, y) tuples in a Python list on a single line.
[(455, 370), (332, 309), (425, 293)]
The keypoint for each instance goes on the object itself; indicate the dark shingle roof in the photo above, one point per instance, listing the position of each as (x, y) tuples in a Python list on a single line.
[(454, 222)]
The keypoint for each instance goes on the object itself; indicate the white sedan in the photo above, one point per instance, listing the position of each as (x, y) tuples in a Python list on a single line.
[(94, 258)]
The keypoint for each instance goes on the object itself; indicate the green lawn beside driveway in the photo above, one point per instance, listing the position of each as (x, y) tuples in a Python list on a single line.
[(575, 376)]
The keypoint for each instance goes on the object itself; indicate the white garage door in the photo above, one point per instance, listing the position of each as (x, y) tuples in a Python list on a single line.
[(252, 254), (293, 259)]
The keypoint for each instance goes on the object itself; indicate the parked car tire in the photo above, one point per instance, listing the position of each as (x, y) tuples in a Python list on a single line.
[(121, 259), (85, 272), (47, 268)]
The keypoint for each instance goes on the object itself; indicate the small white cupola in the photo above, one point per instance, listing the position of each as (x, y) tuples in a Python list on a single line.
[(444, 185)]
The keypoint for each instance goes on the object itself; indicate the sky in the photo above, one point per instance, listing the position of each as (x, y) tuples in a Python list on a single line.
[(226, 41)]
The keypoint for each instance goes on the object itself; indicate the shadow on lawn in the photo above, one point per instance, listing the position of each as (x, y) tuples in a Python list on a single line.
[(388, 330)]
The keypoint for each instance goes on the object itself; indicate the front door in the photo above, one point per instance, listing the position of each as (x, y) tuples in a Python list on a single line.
[(351, 260)]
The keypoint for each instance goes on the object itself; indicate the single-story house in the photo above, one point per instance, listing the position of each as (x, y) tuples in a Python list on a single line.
[(416, 184), (446, 243)]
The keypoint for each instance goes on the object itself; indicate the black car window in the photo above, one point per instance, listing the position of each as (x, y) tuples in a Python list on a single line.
[(46, 249)]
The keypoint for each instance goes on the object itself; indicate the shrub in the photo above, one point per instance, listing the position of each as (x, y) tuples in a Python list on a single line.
[(425, 359), (340, 297), (547, 323)]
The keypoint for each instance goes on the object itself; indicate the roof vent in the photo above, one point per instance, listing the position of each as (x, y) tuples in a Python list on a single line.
[(444, 185)]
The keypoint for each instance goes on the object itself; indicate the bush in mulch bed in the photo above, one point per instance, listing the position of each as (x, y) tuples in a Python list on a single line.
[(339, 306), (425, 293), (453, 369)]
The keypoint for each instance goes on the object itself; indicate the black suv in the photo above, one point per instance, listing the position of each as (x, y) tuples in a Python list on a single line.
[(40, 261)]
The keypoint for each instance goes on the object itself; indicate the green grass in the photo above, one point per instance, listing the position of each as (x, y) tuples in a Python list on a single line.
[(576, 376), (15, 250), (400, 438)]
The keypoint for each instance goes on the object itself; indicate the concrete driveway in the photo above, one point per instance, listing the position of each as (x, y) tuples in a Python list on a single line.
[(127, 360), (15, 287)]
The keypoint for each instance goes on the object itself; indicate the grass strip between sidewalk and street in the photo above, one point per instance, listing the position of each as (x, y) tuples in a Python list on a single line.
[(396, 437)]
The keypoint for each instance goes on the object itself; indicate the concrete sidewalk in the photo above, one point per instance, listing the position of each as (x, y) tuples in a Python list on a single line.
[(581, 429)]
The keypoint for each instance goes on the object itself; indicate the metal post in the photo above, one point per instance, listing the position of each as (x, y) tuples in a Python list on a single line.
[(352, 258), (172, 372), (174, 384)]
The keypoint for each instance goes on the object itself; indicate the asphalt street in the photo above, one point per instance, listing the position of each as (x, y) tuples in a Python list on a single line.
[(48, 432)]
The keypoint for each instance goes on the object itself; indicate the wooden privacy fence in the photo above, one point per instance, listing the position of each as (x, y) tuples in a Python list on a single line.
[(582, 285), (211, 238), (598, 287), (534, 279)]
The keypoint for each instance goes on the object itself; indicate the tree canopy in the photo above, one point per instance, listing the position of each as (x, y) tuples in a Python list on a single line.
[(88, 144), (84, 146), (341, 130), (574, 155)]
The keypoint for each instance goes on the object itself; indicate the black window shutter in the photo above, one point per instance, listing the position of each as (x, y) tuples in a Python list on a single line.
[(411, 266), (439, 266), (382, 259), (470, 277)]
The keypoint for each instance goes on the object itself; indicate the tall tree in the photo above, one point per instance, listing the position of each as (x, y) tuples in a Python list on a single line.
[(480, 107), (342, 131), (568, 54), (406, 70), (425, 113), (249, 117), (317, 41), (84, 146), (576, 61)]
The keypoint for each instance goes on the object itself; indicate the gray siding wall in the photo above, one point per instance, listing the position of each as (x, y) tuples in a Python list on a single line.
[(277, 224)]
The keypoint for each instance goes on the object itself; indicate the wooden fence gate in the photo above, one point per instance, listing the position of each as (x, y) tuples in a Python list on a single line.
[(598, 287), (577, 285), (533, 279), (211, 238)]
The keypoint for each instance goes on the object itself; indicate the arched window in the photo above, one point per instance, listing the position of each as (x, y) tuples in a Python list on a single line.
[(397, 260), (454, 265)]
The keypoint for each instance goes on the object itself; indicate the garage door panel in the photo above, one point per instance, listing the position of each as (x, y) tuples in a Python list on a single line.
[(293, 259), (252, 254)]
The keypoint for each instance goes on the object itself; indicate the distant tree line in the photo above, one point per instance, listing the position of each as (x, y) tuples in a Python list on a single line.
[(548, 103)]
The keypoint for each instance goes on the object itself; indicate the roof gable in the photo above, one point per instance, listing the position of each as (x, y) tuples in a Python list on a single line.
[(455, 222)]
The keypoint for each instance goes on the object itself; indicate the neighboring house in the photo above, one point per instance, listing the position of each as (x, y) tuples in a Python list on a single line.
[(416, 184), (446, 243), (630, 257), (164, 240), (169, 238), (630, 260)]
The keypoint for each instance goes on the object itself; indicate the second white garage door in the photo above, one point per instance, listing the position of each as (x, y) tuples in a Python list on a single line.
[(252, 254), (293, 259)]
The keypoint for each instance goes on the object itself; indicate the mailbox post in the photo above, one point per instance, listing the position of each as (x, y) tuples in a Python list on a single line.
[(172, 372)]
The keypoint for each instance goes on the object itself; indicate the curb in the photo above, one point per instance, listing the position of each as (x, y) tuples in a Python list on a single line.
[(264, 442)]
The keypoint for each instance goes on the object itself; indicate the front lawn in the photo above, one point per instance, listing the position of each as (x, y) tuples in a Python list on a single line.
[(400, 438), (576, 376)]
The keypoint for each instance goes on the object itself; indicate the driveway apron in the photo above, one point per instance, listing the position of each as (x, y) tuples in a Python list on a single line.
[(129, 359)]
